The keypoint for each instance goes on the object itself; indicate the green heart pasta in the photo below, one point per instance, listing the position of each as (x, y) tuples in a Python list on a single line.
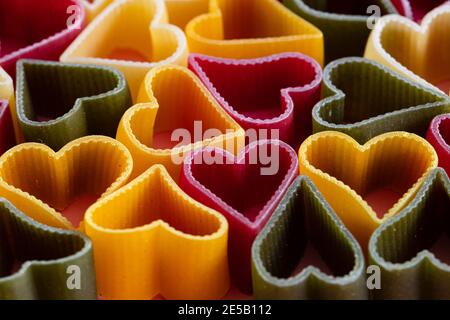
[(304, 216), (59, 102), (364, 99), (58, 265), (402, 246), (345, 24)]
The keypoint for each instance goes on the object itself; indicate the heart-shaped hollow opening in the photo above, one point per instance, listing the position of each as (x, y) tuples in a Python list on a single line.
[(16, 235), (444, 130), (125, 34), (254, 89), (185, 113), (71, 181), (429, 59), (155, 200), (347, 7), (367, 93), (381, 173), (250, 19), (428, 229), (27, 22), (51, 91), (241, 185), (305, 236)]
